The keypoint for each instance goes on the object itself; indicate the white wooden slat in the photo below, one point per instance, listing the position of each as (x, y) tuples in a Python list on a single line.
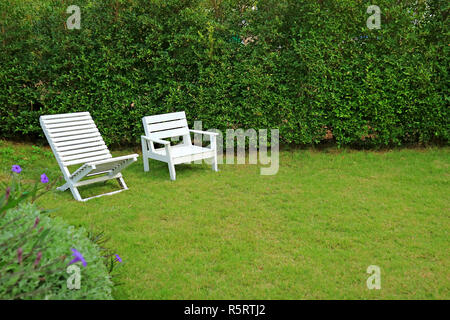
[(82, 150), (75, 138), (104, 167), (133, 157), (62, 120), (85, 155), (66, 128), (96, 173), (182, 150), (167, 125), (193, 157), (96, 180), (52, 126), (165, 117), (113, 163), (65, 115), (73, 144), (169, 133), (82, 171), (105, 164), (84, 160), (94, 142), (73, 132)]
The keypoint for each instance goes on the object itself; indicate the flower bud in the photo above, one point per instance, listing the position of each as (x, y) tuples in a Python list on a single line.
[(38, 259), (8, 192), (36, 222), (19, 255)]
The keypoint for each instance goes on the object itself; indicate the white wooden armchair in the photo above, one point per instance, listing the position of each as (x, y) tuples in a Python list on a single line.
[(75, 139), (169, 125)]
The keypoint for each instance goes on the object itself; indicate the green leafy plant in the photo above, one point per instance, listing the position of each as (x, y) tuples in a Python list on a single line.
[(34, 249), (16, 192), (111, 259)]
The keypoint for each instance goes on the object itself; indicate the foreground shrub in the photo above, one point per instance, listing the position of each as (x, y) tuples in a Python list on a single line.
[(39, 255), (35, 251)]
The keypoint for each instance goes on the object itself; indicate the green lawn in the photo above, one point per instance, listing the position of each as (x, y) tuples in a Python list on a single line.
[(308, 232)]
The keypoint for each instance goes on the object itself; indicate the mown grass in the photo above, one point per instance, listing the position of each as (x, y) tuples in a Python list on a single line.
[(308, 232)]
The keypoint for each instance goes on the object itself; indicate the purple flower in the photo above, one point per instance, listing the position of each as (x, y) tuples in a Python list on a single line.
[(78, 257), (119, 259), (38, 258), (16, 168), (44, 178), (19, 255)]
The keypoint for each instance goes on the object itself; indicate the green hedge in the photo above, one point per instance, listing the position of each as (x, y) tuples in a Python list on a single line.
[(46, 278), (310, 68)]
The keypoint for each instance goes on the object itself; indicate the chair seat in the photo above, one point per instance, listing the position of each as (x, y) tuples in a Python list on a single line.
[(183, 150)]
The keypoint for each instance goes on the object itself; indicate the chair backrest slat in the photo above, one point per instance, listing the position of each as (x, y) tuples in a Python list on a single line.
[(85, 160), (72, 132), (84, 155), (74, 138), (81, 150), (169, 133), (66, 117), (166, 125), (71, 144), (66, 128), (165, 117)]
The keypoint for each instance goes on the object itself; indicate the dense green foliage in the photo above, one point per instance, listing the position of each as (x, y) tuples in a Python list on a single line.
[(310, 68)]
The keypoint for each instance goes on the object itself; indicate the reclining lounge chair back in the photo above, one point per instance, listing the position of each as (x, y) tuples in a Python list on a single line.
[(75, 140)]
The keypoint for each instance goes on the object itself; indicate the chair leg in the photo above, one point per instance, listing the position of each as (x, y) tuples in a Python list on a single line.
[(145, 160), (172, 172), (122, 183), (76, 194), (214, 164), (64, 187)]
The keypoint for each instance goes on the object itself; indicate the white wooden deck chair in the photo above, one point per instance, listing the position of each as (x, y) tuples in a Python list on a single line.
[(75, 139), (171, 125)]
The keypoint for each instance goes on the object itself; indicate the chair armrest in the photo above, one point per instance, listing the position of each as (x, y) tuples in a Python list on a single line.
[(82, 171), (160, 141), (213, 135), (209, 133)]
